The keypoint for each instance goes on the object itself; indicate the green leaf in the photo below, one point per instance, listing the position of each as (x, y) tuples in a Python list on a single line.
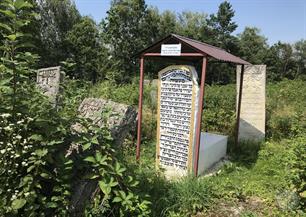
[(93, 176), (12, 37), (20, 4), (98, 156), (95, 141), (41, 152), (7, 13), (45, 175), (5, 81), (122, 193), (69, 162), (25, 45), (90, 159), (6, 27), (36, 137), (51, 205), (119, 169), (104, 187), (86, 146), (30, 168), (112, 183), (18, 203), (117, 199)]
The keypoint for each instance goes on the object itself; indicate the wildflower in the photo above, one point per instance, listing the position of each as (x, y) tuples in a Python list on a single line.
[(5, 115), (7, 128)]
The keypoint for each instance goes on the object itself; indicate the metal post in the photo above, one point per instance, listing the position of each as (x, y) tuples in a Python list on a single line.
[(239, 106), (199, 117), (139, 109)]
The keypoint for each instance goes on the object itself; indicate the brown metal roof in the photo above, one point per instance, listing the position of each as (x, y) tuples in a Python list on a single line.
[(196, 46)]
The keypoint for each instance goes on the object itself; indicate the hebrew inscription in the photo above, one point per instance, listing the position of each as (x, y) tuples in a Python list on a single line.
[(177, 92), (49, 79), (252, 116)]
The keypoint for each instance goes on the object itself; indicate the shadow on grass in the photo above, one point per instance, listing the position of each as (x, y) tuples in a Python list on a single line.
[(245, 154)]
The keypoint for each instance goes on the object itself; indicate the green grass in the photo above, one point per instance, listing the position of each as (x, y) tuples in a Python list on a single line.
[(264, 175)]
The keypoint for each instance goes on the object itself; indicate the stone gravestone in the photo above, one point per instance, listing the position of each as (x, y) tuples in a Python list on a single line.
[(121, 120), (252, 115), (178, 94), (49, 79)]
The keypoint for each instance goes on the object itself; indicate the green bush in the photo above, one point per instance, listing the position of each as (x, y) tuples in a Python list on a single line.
[(38, 162)]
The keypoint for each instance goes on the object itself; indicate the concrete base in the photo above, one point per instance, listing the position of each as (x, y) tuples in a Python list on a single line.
[(212, 149)]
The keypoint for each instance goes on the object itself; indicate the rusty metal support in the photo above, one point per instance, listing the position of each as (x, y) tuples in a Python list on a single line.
[(140, 108), (239, 106), (199, 117)]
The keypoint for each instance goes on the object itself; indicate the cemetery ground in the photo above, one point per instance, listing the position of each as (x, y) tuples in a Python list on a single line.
[(259, 179)]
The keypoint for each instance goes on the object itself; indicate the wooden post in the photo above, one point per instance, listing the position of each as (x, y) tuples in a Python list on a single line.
[(239, 106), (140, 109), (199, 117)]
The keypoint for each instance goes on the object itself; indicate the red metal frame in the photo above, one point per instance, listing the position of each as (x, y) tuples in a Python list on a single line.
[(239, 106), (199, 117), (140, 109)]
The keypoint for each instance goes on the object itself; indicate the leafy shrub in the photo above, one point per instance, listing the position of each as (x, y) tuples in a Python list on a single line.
[(36, 172), (219, 109)]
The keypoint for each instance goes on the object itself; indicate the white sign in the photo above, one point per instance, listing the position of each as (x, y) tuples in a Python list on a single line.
[(171, 50)]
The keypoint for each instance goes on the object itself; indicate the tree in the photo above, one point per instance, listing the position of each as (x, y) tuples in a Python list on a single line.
[(300, 57), (253, 46), (84, 48), (280, 62), (166, 24), (126, 31), (222, 26), (57, 17), (191, 24), (218, 32)]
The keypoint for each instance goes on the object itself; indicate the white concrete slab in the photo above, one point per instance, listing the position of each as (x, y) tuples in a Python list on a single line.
[(212, 149)]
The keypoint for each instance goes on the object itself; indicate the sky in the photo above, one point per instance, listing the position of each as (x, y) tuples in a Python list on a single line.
[(278, 20)]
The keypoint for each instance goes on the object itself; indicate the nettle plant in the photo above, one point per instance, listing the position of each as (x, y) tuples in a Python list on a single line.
[(36, 175)]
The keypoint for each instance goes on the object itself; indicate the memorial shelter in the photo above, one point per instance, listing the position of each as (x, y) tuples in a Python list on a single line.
[(178, 48)]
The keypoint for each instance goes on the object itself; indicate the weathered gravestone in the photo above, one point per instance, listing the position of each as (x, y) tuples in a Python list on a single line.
[(121, 120), (49, 80), (252, 115), (177, 103)]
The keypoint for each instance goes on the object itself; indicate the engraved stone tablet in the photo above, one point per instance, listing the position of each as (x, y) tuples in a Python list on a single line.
[(49, 79), (177, 102), (121, 120), (252, 116)]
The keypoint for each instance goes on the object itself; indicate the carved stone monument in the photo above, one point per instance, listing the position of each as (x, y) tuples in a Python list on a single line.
[(178, 94), (252, 116), (178, 98), (49, 79), (121, 120)]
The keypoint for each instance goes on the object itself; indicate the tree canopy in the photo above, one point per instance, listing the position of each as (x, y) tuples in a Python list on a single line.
[(106, 50)]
